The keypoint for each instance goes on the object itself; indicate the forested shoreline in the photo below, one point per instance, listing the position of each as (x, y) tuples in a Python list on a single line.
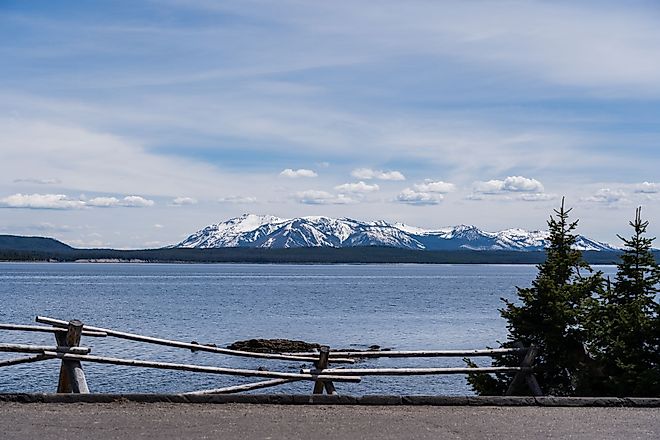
[(300, 255)]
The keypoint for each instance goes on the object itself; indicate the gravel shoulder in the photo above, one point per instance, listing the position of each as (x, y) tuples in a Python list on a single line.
[(130, 420)]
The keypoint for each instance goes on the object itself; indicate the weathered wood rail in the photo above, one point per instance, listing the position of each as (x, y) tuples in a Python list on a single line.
[(188, 345), (72, 378)]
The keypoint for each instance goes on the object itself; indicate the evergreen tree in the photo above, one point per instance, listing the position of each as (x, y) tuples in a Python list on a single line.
[(547, 315), (623, 323)]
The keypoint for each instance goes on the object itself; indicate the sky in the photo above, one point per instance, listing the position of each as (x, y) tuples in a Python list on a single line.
[(132, 123)]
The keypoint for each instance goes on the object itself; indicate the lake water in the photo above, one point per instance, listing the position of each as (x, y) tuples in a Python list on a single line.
[(345, 306)]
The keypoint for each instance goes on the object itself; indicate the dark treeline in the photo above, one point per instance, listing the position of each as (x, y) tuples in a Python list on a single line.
[(299, 255)]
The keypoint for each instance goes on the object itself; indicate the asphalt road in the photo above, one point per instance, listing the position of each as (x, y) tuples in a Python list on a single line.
[(240, 421)]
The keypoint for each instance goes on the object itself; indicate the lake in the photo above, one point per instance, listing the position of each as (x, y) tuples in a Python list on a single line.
[(404, 307)]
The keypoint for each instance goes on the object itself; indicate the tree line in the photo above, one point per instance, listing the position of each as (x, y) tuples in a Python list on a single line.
[(595, 336), (363, 254)]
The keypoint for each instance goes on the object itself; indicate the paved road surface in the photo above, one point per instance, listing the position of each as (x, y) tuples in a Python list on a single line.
[(127, 421)]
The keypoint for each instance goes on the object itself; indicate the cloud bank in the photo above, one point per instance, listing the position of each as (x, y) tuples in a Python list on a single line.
[(61, 201)]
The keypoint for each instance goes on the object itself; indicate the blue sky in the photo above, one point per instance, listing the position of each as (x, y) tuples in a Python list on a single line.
[(134, 123)]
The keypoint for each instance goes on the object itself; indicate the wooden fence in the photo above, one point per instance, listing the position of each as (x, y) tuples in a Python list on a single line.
[(72, 379)]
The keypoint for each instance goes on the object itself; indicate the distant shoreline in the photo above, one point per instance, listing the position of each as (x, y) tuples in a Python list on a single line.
[(356, 255)]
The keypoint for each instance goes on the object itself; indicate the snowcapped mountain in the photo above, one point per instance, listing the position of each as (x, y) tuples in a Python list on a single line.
[(265, 231)]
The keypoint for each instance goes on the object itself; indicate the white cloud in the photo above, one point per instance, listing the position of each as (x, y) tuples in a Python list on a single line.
[(509, 184), (359, 187), (519, 183), (41, 201), (607, 196), (39, 181), (429, 192), (391, 175), (302, 172), (128, 202), (158, 226), (136, 202), (61, 201), (180, 201), (368, 173), (237, 199), (314, 197), (647, 188), (435, 187), (412, 197)]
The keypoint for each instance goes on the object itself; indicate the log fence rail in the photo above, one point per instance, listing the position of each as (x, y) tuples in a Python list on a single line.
[(72, 377)]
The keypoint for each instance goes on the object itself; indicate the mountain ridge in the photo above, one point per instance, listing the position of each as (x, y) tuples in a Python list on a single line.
[(267, 231)]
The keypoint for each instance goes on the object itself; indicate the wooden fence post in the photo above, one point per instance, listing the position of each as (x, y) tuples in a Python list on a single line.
[(72, 377), (525, 374), (322, 364)]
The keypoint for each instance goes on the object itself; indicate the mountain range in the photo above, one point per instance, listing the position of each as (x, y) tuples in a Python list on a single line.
[(266, 231)]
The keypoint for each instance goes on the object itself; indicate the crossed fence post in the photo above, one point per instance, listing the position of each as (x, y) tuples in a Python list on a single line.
[(321, 364), (525, 374), (72, 377)]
